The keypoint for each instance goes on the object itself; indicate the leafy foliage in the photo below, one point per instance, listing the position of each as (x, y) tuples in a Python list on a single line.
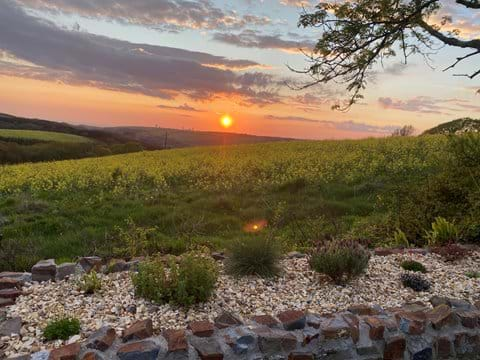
[(415, 282), (257, 255), (415, 266), (90, 283), (473, 274), (451, 252), (61, 329), (442, 233), (190, 281), (340, 260)]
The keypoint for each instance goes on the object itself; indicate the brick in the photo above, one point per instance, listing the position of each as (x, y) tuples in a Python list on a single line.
[(424, 354), (91, 355), (144, 350), (395, 348), (140, 330), (377, 327), (202, 328), (102, 339), (412, 323), (91, 263), (443, 346), (363, 310), (240, 339), (208, 348), (266, 320), (298, 355), (469, 319), (176, 340), (292, 320), (68, 352), (353, 323), (227, 319), (336, 328), (440, 316)]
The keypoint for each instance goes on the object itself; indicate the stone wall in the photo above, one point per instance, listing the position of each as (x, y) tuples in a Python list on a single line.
[(449, 330)]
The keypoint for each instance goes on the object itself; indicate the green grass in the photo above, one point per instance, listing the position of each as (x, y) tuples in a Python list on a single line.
[(203, 196), (42, 136)]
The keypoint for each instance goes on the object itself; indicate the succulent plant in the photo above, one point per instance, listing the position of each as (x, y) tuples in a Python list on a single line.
[(415, 282)]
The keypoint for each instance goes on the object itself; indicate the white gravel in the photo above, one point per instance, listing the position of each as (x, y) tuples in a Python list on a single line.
[(298, 288)]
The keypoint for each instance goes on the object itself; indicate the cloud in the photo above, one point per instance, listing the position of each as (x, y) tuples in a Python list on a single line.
[(81, 58), (170, 15), (296, 3), (254, 39), (184, 107), (350, 126), (422, 104)]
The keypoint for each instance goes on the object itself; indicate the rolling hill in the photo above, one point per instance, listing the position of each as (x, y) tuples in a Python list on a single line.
[(458, 126), (41, 136)]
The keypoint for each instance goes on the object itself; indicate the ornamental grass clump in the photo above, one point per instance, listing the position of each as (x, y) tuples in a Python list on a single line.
[(442, 233), (185, 282), (254, 256), (412, 265), (61, 329), (340, 260), (90, 283)]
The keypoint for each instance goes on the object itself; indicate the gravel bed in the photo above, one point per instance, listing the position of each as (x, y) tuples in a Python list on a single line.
[(297, 288)]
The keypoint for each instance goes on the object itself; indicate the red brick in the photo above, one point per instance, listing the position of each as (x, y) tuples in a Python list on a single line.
[(68, 352), (301, 356), (444, 347), (469, 319), (395, 348), (292, 319), (266, 320), (440, 316), (140, 330), (377, 328), (202, 328), (363, 310), (176, 340)]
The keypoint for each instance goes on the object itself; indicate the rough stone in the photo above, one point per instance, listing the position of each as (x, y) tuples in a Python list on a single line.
[(387, 252), (227, 319), (6, 302), (266, 320), (10, 293), (412, 323), (363, 310), (395, 348), (275, 342), (176, 340), (44, 270), (9, 283), (469, 319), (440, 316), (443, 346), (21, 276), (117, 265), (101, 339), (292, 320), (219, 256), (92, 355), (240, 339), (208, 348), (377, 327), (68, 352), (139, 330), (11, 327), (90, 263), (425, 354), (299, 355), (353, 322), (202, 328), (336, 328), (139, 350), (65, 270), (365, 346)]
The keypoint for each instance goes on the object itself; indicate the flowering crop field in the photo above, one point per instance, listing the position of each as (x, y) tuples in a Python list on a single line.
[(202, 196)]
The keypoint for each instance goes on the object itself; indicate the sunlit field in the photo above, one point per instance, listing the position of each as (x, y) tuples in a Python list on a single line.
[(206, 196), (42, 136)]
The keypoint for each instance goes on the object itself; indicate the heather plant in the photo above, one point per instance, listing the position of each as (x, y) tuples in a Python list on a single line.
[(415, 282), (61, 329), (340, 260), (442, 233), (415, 266), (254, 256), (451, 252)]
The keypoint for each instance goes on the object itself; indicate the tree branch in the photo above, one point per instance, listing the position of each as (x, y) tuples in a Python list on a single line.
[(472, 4), (449, 40)]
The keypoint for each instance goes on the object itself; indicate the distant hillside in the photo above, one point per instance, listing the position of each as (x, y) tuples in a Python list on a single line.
[(33, 136), (174, 138), (458, 126)]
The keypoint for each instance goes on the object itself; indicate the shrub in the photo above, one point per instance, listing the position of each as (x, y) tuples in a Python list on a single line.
[(451, 252), (442, 233), (61, 329), (254, 256), (190, 281), (90, 283), (341, 260), (415, 282), (411, 265), (134, 240), (473, 274), (400, 239)]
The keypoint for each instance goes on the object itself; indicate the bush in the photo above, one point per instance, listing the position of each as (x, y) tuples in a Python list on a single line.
[(473, 274), (411, 265), (254, 256), (90, 283), (400, 239), (415, 282), (442, 233), (341, 260), (61, 329), (190, 281), (451, 252)]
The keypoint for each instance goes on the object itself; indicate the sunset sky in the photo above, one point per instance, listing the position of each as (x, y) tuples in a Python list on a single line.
[(186, 63)]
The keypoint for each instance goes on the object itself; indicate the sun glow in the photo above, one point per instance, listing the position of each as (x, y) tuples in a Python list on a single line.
[(226, 121)]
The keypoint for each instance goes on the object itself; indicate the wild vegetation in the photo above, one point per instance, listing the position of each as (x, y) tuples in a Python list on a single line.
[(375, 191)]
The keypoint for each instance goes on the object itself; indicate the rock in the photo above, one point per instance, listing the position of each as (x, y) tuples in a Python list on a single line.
[(11, 327), (363, 310), (140, 350), (41, 355), (219, 256), (296, 255), (240, 339), (412, 323), (90, 263), (227, 319), (335, 328), (425, 354), (266, 320), (139, 330), (292, 320), (353, 323), (365, 345), (132, 309), (44, 270), (117, 265), (387, 252), (377, 327), (21, 357), (23, 277), (65, 270), (275, 342), (301, 355), (469, 319), (9, 283), (208, 349), (91, 355), (68, 352), (444, 347), (6, 302), (201, 328), (102, 339), (440, 316), (176, 340), (133, 264), (10, 293), (395, 348)]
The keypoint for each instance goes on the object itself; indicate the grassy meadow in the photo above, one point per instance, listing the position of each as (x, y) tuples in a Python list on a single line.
[(37, 135), (167, 201)]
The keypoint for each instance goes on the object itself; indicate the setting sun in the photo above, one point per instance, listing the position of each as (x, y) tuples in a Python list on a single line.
[(226, 121)]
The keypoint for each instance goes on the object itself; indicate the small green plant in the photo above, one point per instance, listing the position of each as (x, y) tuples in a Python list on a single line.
[(411, 265), (61, 329), (134, 240), (190, 281), (340, 260), (254, 256), (473, 274), (400, 239), (90, 283), (442, 233)]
